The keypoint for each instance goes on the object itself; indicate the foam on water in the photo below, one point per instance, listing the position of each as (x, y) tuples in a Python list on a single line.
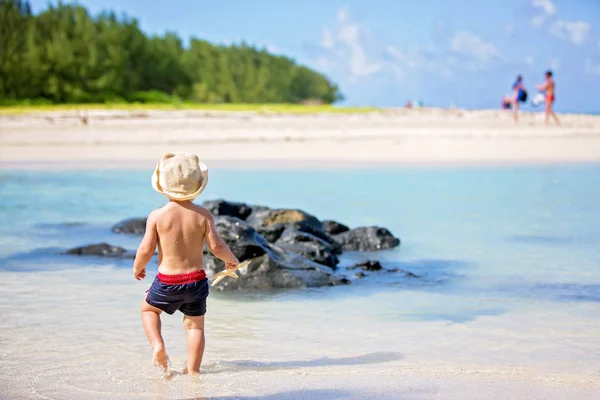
[(509, 302)]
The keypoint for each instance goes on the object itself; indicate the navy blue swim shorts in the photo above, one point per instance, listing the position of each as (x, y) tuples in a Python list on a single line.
[(186, 293)]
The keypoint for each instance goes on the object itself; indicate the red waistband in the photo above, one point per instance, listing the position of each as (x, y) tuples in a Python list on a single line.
[(182, 278)]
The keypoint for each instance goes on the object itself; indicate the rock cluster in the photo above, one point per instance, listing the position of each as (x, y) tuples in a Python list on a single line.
[(289, 248)]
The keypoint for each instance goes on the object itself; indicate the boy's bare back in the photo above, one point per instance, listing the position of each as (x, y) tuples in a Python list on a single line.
[(181, 228)]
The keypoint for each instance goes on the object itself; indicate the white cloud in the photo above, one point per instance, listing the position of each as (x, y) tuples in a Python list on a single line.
[(272, 49), (420, 61), (349, 34), (417, 58), (343, 47), (326, 39), (546, 5), (469, 44), (347, 47), (538, 20), (555, 64), (394, 52), (529, 61), (591, 67), (342, 14), (325, 63), (546, 9), (575, 31)]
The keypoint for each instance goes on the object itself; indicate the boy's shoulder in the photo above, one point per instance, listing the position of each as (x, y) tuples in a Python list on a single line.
[(157, 211), (203, 211), (169, 206)]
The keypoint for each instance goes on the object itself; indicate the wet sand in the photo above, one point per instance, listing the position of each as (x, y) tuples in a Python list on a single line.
[(72, 346)]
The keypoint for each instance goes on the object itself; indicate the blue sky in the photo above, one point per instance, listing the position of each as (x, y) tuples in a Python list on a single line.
[(383, 52)]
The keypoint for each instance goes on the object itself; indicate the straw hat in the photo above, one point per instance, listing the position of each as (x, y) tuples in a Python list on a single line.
[(180, 176)]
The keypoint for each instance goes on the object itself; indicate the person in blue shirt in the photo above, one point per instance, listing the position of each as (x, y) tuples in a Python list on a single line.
[(519, 96)]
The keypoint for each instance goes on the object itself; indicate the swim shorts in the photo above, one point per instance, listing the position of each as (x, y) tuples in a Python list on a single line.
[(185, 292)]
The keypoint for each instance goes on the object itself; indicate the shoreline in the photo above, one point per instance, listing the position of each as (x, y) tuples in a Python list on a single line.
[(136, 165), (405, 152)]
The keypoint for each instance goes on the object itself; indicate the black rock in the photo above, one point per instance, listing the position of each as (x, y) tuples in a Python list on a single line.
[(291, 235), (334, 227), (136, 226), (271, 233), (368, 265), (367, 239), (278, 268), (264, 219), (242, 239), (100, 249), (232, 209), (360, 275), (310, 246), (272, 267)]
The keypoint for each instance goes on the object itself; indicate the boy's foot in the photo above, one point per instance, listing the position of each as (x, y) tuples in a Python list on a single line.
[(186, 372), (160, 357)]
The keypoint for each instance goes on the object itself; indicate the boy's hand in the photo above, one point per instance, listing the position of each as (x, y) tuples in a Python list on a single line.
[(139, 275), (232, 265)]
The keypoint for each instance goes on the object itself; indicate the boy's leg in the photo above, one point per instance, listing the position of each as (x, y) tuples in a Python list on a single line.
[(152, 327), (194, 328)]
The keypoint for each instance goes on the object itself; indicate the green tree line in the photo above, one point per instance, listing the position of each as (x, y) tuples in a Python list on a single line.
[(65, 55)]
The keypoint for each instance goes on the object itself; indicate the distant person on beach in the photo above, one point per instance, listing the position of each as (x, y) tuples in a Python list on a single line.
[(548, 88), (179, 228), (519, 96)]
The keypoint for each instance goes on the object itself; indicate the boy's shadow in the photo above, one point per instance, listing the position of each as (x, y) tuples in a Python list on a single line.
[(370, 358), (321, 394), (325, 394), (259, 366)]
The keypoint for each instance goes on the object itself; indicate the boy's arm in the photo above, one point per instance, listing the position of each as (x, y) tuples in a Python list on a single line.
[(216, 244), (146, 249)]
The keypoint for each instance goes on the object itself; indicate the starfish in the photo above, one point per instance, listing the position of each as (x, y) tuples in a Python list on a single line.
[(219, 276)]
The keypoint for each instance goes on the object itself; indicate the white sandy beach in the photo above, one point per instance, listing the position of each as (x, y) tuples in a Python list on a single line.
[(428, 136)]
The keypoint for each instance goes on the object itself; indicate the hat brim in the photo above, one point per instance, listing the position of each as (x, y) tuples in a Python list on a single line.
[(181, 196)]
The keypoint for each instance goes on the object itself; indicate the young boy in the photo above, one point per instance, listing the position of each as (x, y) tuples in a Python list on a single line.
[(179, 228)]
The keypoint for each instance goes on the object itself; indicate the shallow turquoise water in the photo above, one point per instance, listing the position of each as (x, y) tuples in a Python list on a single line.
[(511, 233), (511, 286)]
